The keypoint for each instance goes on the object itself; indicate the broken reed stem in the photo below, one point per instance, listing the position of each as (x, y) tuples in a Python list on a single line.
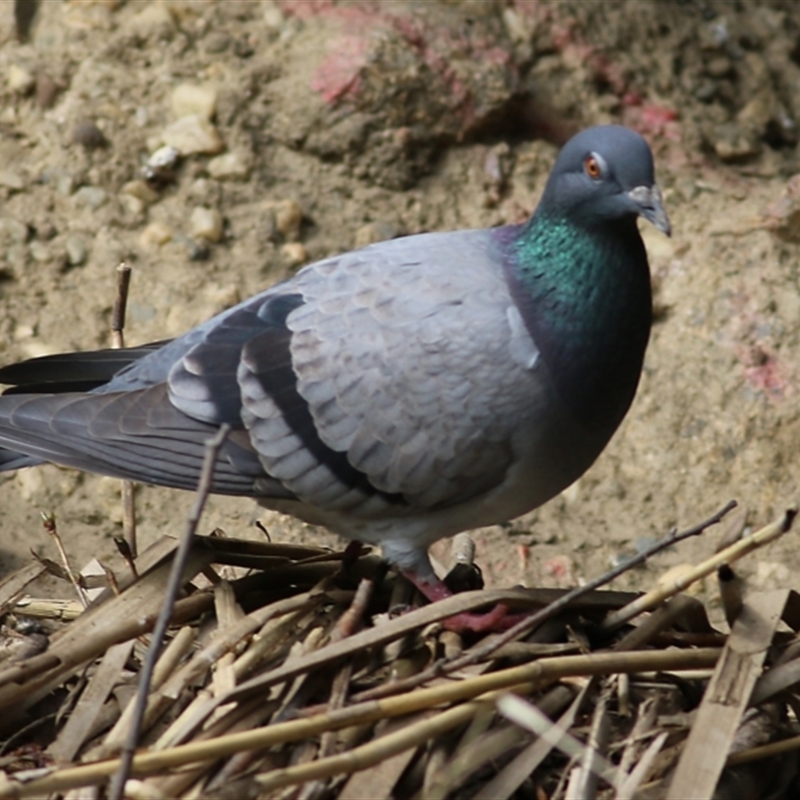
[(49, 523), (764, 751), (213, 446), (117, 343), (522, 679), (730, 554)]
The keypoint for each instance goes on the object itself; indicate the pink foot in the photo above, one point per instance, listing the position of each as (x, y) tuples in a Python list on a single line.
[(498, 619)]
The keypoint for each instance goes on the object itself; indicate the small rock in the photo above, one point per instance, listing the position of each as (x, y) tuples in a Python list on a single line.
[(65, 184), (13, 231), (40, 252), (206, 223), (91, 196), (294, 253), (153, 21), (189, 98), (193, 134), (155, 234), (87, 134), (29, 483), (77, 251), (45, 230), (274, 18), (20, 81), (47, 90), (374, 232), (221, 297), (288, 218), (216, 42), (160, 167), (11, 179), (205, 192), (733, 142), (22, 332), (229, 167), (197, 251), (133, 205), (141, 190)]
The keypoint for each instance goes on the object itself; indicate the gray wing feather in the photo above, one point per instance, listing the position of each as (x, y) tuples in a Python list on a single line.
[(412, 367)]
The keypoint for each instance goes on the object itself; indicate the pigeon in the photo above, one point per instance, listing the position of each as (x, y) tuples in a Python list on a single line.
[(396, 394)]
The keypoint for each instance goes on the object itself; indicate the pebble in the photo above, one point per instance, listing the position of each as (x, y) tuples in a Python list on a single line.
[(65, 184), (23, 331), (206, 223), (12, 231), (77, 251), (154, 20), (229, 167), (87, 134), (11, 179), (40, 252), (141, 190), (734, 142), (216, 42), (288, 218), (273, 17), (20, 81), (29, 483), (133, 205), (191, 135), (45, 230), (374, 232), (155, 234), (294, 253), (91, 196), (161, 164), (47, 90), (205, 192), (189, 98), (197, 251)]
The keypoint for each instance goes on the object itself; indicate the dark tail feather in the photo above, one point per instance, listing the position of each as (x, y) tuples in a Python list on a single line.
[(71, 372)]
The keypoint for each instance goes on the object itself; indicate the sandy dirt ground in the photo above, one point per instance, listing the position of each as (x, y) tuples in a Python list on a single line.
[(308, 128)]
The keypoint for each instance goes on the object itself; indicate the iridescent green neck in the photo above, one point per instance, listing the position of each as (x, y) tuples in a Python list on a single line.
[(585, 297)]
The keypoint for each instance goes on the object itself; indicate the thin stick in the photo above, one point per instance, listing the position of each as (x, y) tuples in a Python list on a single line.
[(120, 304), (213, 446), (49, 522), (118, 342)]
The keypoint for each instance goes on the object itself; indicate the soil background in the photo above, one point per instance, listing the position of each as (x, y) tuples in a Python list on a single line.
[(304, 129)]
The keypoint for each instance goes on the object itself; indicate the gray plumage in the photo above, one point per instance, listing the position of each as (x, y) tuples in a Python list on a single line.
[(395, 394)]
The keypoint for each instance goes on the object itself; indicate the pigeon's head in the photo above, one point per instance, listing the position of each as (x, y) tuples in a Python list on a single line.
[(606, 173)]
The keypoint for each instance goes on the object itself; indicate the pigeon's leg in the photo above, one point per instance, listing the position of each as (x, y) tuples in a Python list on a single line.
[(497, 619)]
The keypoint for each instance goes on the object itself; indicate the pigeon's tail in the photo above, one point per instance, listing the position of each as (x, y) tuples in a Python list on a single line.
[(137, 435), (71, 372), (9, 460)]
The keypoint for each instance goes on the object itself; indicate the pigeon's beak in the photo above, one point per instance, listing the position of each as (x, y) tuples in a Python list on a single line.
[(651, 206)]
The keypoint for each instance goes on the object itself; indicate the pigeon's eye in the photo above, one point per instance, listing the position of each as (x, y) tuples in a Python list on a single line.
[(591, 166)]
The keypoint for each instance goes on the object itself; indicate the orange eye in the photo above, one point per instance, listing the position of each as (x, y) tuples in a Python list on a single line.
[(592, 168)]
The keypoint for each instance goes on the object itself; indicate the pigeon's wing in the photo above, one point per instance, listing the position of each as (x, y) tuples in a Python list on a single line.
[(404, 373), (394, 375), (137, 435)]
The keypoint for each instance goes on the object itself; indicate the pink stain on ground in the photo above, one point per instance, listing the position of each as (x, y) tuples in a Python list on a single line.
[(764, 372), (339, 74)]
